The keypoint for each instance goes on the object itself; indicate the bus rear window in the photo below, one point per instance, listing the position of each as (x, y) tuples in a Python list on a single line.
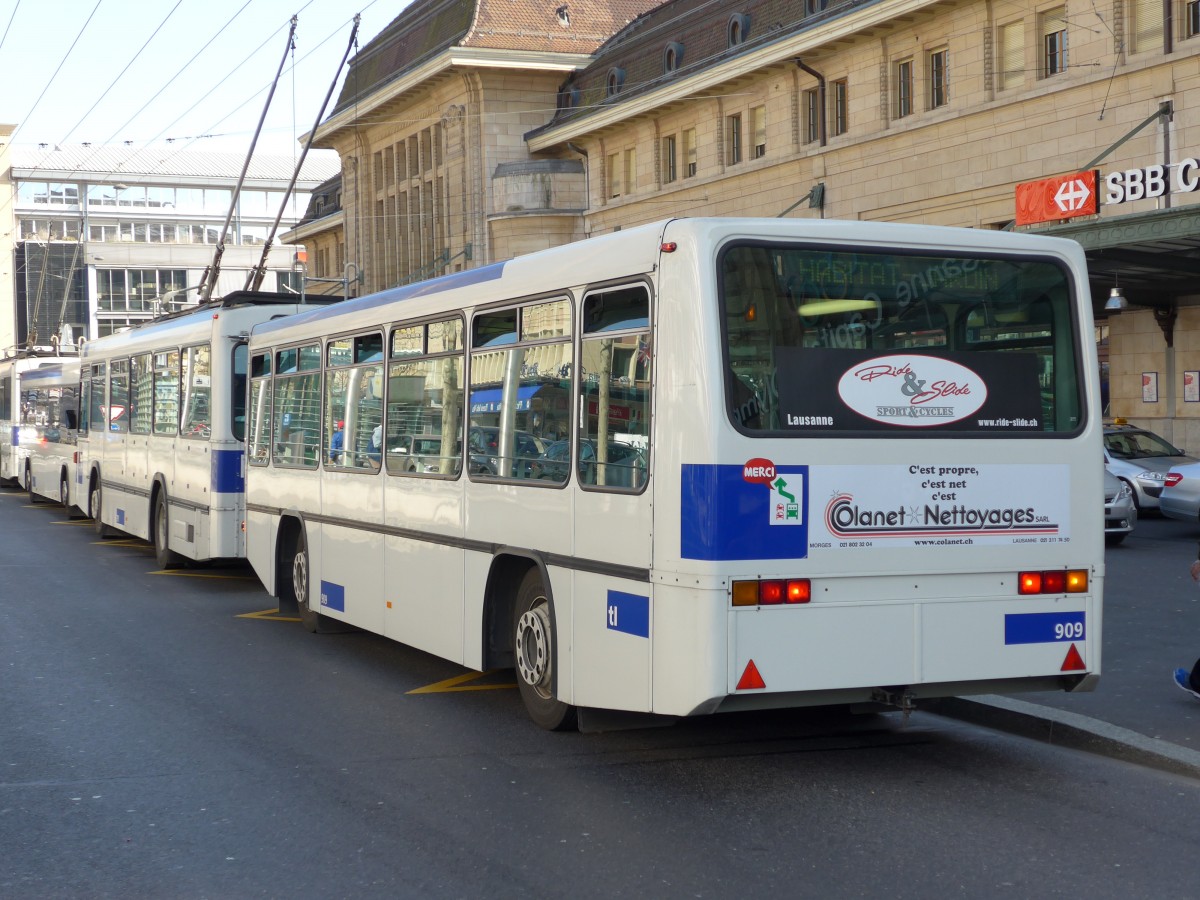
[(823, 340)]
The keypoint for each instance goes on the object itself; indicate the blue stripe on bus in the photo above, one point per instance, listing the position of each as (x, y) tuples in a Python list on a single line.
[(725, 517), (370, 301), (227, 475), (1044, 628), (629, 613), (333, 596)]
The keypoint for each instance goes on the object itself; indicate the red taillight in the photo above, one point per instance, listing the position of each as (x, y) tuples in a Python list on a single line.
[(1173, 478), (799, 590), (771, 592), (1054, 581)]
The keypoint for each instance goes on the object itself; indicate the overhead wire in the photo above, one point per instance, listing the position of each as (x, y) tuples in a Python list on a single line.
[(66, 56), (121, 75), (8, 27), (182, 69)]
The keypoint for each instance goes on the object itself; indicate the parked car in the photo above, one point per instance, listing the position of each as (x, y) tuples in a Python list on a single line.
[(625, 465), (1120, 514), (483, 445), (416, 453), (1181, 493), (1141, 459)]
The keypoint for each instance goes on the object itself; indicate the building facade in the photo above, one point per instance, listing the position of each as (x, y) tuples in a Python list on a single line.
[(103, 238), (7, 323), (926, 111), (930, 112), (430, 124)]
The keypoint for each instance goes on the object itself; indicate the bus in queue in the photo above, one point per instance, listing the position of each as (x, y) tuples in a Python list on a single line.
[(701, 465), (12, 457), (162, 422), (49, 422)]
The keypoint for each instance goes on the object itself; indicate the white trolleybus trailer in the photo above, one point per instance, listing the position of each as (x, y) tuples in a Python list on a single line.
[(162, 421), (12, 456), (50, 410), (701, 465)]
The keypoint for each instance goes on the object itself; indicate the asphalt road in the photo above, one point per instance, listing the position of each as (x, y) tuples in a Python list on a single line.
[(162, 739), (1151, 627)]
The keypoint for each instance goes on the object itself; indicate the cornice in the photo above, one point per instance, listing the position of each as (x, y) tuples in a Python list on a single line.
[(786, 49), (452, 58), (315, 227)]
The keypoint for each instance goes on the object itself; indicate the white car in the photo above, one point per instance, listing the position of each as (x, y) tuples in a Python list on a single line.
[(1142, 460), (1120, 515), (1181, 496)]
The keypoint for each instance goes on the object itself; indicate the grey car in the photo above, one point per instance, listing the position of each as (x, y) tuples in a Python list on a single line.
[(1142, 460), (1181, 493), (1120, 515)]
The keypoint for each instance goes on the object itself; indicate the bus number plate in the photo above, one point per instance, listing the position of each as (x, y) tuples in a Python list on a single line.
[(1044, 628)]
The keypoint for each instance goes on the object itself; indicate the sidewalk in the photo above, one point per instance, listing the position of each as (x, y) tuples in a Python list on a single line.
[(1151, 627)]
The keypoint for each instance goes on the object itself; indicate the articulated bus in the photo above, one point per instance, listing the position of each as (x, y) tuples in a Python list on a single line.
[(701, 465), (49, 421), (162, 422), (12, 414)]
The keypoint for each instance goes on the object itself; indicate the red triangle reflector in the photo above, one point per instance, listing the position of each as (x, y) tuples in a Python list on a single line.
[(1073, 662), (751, 680)]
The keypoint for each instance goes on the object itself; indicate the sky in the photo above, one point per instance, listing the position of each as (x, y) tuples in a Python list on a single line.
[(192, 72)]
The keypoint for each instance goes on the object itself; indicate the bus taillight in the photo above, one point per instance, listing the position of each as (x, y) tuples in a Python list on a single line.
[(772, 592), (1055, 581)]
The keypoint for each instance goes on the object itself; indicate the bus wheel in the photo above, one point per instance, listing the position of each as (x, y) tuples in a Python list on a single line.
[(163, 554), (33, 498), (64, 493), (95, 501), (309, 618), (534, 652)]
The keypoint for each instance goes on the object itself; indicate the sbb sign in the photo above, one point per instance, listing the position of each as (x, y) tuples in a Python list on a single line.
[(1061, 197), (1151, 181)]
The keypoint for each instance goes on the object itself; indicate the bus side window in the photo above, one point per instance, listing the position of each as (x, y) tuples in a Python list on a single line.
[(98, 405), (613, 444)]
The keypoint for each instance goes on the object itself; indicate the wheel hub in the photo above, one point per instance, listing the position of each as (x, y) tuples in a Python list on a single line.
[(300, 579), (533, 660)]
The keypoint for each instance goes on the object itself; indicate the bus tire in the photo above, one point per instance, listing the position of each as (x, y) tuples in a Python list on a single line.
[(299, 584), (163, 554), (535, 655), (33, 497), (64, 493), (95, 507)]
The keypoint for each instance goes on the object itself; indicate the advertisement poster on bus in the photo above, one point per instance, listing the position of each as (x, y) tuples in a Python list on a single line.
[(860, 390), (767, 510), (932, 505)]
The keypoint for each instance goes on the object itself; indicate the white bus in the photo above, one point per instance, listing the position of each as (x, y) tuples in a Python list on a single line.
[(50, 411), (161, 435), (12, 456), (701, 465)]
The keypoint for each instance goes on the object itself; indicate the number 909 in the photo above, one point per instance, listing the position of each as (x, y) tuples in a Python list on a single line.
[(1068, 631)]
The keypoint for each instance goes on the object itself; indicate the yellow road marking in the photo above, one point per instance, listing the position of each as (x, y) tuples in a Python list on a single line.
[(458, 683), (268, 615), (184, 573), (76, 522), (125, 542)]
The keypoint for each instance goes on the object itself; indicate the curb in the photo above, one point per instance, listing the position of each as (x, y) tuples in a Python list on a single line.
[(1068, 729)]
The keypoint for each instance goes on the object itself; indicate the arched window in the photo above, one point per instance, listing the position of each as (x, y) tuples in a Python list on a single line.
[(738, 29), (616, 78), (672, 57)]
